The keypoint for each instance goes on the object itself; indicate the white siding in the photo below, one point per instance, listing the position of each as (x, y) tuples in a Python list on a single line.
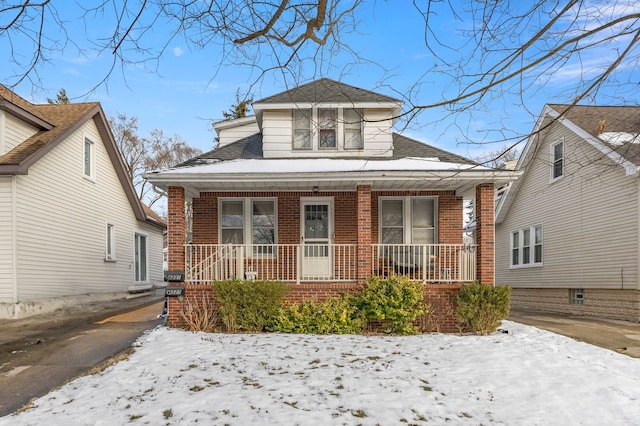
[(6, 240), (15, 132), (589, 219), (61, 226), (232, 134), (277, 136)]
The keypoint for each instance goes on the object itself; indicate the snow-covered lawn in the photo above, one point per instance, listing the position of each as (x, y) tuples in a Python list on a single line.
[(522, 376)]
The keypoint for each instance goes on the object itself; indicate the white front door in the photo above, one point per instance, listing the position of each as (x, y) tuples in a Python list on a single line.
[(317, 234)]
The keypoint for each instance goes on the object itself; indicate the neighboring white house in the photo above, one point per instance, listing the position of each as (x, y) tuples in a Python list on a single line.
[(71, 223), (568, 231)]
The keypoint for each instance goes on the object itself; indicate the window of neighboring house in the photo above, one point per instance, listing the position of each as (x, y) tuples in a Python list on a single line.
[(557, 160), (302, 129), (249, 220), (140, 258), (352, 119), (526, 247), (408, 220), (327, 128), (89, 158), (576, 296), (110, 249)]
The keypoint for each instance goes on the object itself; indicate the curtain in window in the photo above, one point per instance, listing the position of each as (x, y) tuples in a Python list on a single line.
[(302, 129)]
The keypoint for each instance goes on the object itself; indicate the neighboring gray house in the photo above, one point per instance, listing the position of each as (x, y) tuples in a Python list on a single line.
[(568, 231), (71, 223)]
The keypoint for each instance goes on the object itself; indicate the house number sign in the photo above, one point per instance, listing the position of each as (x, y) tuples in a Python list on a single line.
[(174, 276), (174, 291)]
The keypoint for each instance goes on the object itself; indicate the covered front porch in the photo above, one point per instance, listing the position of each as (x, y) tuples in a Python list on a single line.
[(299, 263)]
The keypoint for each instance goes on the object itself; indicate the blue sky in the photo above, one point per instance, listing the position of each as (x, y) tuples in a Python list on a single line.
[(191, 88)]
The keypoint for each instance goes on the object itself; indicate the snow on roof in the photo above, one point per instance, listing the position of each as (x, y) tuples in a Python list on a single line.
[(320, 165), (619, 138)]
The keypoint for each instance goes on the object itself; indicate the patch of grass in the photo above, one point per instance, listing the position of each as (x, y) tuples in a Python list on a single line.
[(359, 413), (293, 404), (167, 413), (111, 361), (134, 417), (196, 388)]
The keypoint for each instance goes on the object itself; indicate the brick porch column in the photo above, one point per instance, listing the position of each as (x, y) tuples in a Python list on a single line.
[(364, 233), (175, 245), (485, 234)]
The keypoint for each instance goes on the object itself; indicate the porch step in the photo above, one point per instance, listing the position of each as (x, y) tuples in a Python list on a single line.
[(140, 288)]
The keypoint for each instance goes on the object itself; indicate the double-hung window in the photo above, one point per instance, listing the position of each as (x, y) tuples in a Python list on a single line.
[(110, 246), (557, 160), (408, 220), (526, 247), (249, 220), (89, 159), (140, 258), (327, 128), (302, 129), (352, 119)]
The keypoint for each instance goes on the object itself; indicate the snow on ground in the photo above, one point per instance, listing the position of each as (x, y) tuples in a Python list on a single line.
[(522, 376)]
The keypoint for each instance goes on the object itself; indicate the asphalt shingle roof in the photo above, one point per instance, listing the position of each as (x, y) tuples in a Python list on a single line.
[(326, 90), (595, 119), (251, 148)]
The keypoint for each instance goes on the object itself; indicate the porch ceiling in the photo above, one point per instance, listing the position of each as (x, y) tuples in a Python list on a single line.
[(459, 181)]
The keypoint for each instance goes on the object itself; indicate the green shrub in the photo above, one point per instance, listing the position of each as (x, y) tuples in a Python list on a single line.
[(480, 308), (394, 301), (336, 315), (248, 305)]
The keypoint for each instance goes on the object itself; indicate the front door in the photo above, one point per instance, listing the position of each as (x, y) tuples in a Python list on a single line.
[(317, 234)]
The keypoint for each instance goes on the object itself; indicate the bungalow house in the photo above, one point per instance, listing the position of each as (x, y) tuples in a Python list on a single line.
[(71, 225), (568, 231), (317, 191)]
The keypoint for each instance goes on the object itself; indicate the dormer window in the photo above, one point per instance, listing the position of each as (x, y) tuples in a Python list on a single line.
[(327, 126), (336, 129), (302, 129)]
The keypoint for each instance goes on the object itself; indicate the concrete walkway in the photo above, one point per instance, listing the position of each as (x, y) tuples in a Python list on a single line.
[(42, 353), (619, 336)]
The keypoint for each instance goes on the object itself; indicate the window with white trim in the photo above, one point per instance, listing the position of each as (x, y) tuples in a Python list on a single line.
[(89, 158), (140, 261), (408, 220), (302, 129), (557, 160), (110, 246), (526, 247), (251, 220), (327, 129)]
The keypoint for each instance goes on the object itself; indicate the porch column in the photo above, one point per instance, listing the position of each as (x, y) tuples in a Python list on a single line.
[(364, 233), (176, 228), (485, 234)]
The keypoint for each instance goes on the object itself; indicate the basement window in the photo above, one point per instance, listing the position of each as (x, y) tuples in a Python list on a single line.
[(576, 296)]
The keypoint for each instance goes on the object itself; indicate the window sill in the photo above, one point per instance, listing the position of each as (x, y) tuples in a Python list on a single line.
[(106, 260), (527, 266)]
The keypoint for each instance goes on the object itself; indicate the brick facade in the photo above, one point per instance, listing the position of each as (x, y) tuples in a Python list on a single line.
[(485, 234), (356, 220)]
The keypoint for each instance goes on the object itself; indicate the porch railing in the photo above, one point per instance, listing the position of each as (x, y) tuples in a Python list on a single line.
[(426, 262), (297, 263)]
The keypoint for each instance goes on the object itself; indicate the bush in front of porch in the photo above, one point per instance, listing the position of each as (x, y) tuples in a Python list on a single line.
[(248, 305), (481, 308), (336, 315)]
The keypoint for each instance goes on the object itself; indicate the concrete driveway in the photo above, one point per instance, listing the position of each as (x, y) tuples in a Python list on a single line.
[(42, 353), (619, 336)]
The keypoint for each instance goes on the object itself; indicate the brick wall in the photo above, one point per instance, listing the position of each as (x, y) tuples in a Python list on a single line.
[(604, 303), (441, 317), (485, 234)]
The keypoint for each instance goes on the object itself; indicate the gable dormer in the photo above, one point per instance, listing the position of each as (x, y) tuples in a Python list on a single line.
[(326, 118)]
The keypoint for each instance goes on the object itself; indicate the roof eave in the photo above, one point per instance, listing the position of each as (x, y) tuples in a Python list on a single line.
[(30, 118)]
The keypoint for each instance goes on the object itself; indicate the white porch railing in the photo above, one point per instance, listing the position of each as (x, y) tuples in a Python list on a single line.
[(284, 262), (426, 262), (205, 263)]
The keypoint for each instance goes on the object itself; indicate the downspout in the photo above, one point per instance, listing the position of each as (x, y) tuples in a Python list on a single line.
[(14, 239)]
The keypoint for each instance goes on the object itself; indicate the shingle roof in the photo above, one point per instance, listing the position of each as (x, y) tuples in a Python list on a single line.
[(326, 90), (251, 148), (595, 119), (61, 116)]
